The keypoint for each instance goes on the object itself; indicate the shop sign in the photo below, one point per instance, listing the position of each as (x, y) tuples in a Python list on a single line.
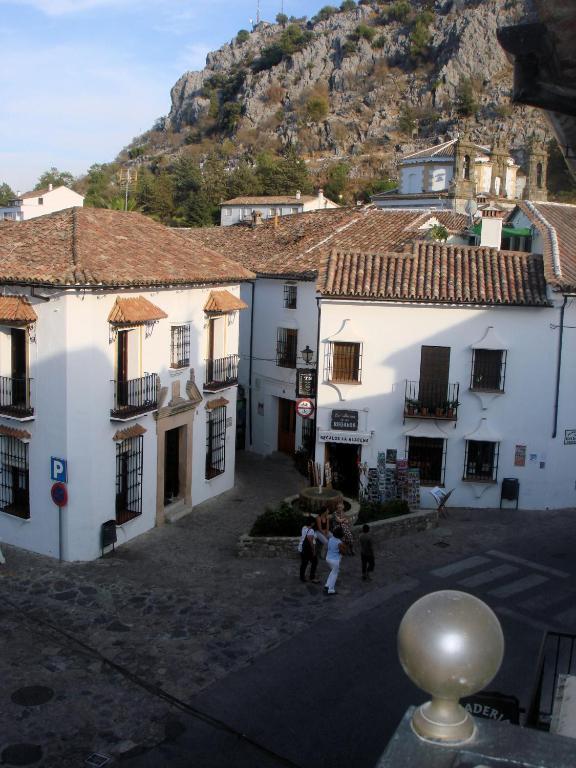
[(304, 408), (358, 438), (305, 382), (570, 437), (491, 705), (346, 420)]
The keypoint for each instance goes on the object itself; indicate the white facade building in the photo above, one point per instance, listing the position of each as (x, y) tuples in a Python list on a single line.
[(40, 202), (246, 209), (119, 358)]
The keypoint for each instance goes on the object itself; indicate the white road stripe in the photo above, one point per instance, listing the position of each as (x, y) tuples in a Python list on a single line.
[(374, 598), (487, 576), (503, 611), (521, 585), (529, 564), (461, 565)]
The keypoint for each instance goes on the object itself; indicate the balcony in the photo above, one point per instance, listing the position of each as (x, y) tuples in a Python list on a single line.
[(430, 400), (135, 396), (221, 373), (15, 398)]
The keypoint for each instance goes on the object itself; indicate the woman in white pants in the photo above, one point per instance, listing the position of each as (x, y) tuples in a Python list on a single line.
[(336, 549)]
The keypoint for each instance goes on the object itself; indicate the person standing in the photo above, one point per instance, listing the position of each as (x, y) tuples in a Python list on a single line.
[(323, 528), (308, 552), (336, 548), (366, 552)]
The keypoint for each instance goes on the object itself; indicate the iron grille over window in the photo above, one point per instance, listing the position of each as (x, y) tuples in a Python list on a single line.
[(129, 455), (308, 436), (14, 482), (216, 442), (290, 295), (481, 461), (488, 370), (180, 346), (286, 346), (344, 362), (428, 454)]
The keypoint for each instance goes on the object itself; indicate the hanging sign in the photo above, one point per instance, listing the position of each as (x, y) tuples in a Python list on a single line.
[(347, 420), (305, 382), (305, 407)]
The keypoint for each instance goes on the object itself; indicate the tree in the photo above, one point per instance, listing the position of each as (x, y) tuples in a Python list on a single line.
[(282, 19), (317, 108), (280, 176), (56, 178), (6, 194), (439, 233), (243, 181), (466, 102), (348, 5), (242, 36), (337, 181), (101, 187)]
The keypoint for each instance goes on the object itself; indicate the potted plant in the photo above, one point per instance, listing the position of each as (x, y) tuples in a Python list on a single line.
[(412, 406), (451, 407)]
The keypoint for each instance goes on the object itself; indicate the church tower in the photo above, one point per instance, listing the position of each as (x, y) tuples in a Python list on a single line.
[(535, 188), (464, 171)]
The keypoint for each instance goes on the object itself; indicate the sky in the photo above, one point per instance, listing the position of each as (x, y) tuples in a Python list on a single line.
[(81, 78)]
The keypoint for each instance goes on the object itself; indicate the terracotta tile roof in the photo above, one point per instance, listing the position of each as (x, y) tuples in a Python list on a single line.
[(447, 149), (94, 246), (33, 193), (16, 309), (223, 301), (19, 434), (431, 272), (293, 246), (217, 403), (271, 200), (135, 309), (556, 223), (125, 434)]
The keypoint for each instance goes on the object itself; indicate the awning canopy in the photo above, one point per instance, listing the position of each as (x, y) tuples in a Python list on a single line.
[(223, 301), (19, 434), (217, 403), (427, 428), (507, 231), (484, 433), (125, 434), (17, 310), (135, 310)]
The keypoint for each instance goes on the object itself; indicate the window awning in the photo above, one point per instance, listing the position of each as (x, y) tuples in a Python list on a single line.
[(16, 309), (223, 301), (484, 433), (217, 403), (135, 310), (426, 429), (125, 434), (19, 434), (507, 231)]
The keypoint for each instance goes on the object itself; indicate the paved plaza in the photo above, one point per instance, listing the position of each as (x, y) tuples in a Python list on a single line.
[(117, 652)]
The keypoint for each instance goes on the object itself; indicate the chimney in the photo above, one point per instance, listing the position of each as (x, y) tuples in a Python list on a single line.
[(321, 195), (298, 194), (256, 218), (49, 187), (491, 226)]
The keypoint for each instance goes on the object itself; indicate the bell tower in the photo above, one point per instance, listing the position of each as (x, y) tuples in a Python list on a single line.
[(535, 188), (464, 171)]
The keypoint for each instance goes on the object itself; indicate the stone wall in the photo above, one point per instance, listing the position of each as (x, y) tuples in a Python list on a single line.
[(286, 546)]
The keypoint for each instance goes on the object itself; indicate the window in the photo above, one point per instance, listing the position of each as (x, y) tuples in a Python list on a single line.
[(129, 455), (295, 210), (14, 481), (488, 370), (227, 211), (290, 295), (481, 461), (466, 168), (539, 175), (180, 346), (216, 442), (428, 454), (286, 344), (40, 201), (344, 362)]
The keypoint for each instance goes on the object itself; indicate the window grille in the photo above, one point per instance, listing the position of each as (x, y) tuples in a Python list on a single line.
[(286, 346), (488, 370), (481, 461), (308, 436), (129, 460), (216, 442), (344, 362), (180, 346), (290, 295), (428, 454), (14, 481)]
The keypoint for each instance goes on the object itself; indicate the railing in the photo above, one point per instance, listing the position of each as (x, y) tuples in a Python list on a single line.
[(429, 400), (221, 372), (557, 657), (135, 396), (15, 397)]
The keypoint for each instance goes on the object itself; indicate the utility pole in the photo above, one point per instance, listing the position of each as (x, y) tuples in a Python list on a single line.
[(257, 12)]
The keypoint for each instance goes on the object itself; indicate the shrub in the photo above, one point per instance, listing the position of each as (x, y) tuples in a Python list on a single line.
[(368, 33), (349, 48), (325, 13), (317, 108), (348, 5), (439, 233), (242, 36), (370, 511), (379, 42), (466, 102), (279, 521), (399, 11), (281, 19), (419, 39)]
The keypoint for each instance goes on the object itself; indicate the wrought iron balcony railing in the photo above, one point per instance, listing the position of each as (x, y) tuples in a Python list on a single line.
[(15, 397), (221, 372), (135, 396), (431, 400)]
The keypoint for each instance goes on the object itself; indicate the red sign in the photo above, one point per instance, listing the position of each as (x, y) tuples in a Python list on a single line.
[(305, 407), (59, 494)]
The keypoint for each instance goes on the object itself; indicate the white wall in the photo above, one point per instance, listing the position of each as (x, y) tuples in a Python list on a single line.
[(441, 176), (392, 337), (56, 200), (411, 179), (240, 213)]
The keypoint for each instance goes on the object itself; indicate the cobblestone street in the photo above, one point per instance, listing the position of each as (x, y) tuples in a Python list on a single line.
[(115, 642)]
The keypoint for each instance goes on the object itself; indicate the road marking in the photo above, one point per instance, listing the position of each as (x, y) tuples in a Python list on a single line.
[(521, 585), (375, 598), (542, 625), (529, 564), (567, 617), (487, 576), (543, 602), (461, 565)]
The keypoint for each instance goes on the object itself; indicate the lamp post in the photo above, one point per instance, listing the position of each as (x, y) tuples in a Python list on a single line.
[(307, 354)]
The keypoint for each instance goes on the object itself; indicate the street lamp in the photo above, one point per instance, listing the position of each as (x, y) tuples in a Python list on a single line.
[(307, 354)]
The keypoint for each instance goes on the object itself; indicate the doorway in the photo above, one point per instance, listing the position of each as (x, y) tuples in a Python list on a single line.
[(18, 366), (344, 459), (286, 426), (172, 465)]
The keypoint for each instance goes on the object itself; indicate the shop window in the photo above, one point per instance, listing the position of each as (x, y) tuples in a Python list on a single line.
[(344, 362), (428, 454), (129, 460), (488, 370), (14, 478), (216, 442), (481, 461), (286, 347)]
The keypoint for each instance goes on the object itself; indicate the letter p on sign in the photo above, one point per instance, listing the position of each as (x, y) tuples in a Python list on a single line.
[(58, 470)]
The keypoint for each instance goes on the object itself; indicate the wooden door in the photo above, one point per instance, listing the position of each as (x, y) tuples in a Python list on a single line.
[(434, 372), (286, 426)]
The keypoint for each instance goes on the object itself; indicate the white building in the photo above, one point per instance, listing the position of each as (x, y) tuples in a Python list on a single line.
[(39, 203), (119, 358), (246, 209)]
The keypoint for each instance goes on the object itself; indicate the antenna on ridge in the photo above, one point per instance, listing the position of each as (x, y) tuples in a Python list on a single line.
[(258, 12)]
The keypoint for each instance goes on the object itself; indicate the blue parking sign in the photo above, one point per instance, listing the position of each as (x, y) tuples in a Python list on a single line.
[(58, 470)]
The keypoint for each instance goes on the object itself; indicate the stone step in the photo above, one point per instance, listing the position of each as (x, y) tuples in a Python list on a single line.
[(175, 511)]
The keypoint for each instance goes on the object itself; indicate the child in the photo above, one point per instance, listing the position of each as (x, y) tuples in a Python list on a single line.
[(307, 550), (366, 553)]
